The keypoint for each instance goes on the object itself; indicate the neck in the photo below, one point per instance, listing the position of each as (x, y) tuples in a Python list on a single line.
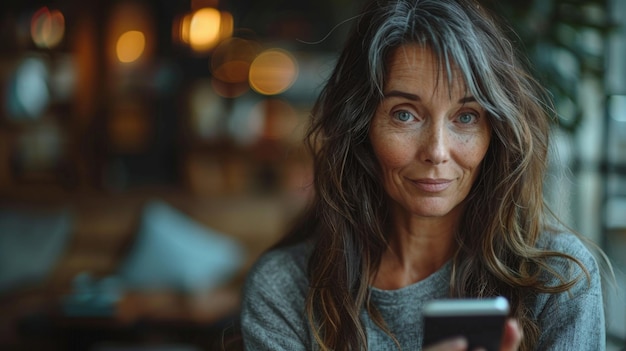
[(417, 248)]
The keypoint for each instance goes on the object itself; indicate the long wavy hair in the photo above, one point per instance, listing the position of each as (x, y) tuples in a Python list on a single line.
[(505, 213)]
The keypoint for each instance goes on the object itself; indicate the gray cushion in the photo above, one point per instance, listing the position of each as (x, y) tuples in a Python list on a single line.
[(173, 251)]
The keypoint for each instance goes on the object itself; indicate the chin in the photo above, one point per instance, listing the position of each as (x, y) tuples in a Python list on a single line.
[(432, 210)]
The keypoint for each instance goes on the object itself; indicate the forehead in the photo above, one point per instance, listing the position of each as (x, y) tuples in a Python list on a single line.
[(419, 67)]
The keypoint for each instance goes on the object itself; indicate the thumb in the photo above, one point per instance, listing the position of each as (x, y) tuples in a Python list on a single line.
[(512, 337)]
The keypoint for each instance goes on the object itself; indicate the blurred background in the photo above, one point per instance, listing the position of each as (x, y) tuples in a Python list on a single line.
[(151, 150)]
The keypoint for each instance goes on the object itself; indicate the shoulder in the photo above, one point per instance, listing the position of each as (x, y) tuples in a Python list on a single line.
[(273, 304), (573, 246), (565, 242), (279, 271), (575, 266), (581, 304)]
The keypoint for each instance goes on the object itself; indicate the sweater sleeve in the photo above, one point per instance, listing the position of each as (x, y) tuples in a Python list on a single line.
[(574, 320), (272, 315)]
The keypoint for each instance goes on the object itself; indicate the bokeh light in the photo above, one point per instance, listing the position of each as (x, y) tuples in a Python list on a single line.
[(130, 36), (231, 60), (47, 28), (28, 95), (207, 111), (183, 28), (273, 72), (204, 29), (230, 66), (130, 46), (247, 121), (227, 25), (229, 90), (62, 80)]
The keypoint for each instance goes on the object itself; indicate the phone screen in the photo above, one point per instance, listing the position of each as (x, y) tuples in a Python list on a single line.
[(480, 321)]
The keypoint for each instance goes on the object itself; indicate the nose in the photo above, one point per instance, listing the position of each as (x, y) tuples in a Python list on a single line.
[(434, 149)]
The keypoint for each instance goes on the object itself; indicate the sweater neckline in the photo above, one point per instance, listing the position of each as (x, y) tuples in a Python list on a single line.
[(435, 285)]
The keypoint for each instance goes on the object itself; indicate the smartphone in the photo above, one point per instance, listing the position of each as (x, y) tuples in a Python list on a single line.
[(480, 321)]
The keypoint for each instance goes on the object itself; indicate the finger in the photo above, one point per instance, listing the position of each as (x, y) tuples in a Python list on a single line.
[(455, 344), (512, 337)]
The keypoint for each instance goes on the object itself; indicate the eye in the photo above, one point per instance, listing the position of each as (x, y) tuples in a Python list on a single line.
[(402, 115), (467, 118)]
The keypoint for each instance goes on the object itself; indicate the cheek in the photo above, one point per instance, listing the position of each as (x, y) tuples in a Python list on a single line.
[(472, 150), (391, 152)]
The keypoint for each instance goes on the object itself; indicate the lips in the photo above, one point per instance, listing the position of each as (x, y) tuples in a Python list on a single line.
[(432, 185)]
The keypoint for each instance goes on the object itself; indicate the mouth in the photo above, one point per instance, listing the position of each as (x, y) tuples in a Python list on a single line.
[(432, 185)]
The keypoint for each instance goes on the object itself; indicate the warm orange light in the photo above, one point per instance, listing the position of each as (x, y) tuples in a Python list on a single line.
[(233, 71), (229, 90), (231, 59), (47, 28), (130, 46), (204, 29), (130, 36), (227, 24), (273, 72), (185, 25)]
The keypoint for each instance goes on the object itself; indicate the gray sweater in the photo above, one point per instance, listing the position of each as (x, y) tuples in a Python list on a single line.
[(273, 315)]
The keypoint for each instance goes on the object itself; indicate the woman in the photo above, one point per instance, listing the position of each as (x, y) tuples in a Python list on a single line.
[(430, 145)]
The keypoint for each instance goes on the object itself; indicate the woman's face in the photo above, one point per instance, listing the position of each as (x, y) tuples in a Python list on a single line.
[(429, 135)]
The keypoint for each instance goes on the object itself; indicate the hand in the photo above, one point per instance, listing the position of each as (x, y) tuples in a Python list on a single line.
[(512, 336), (456, 344), (510, 340)]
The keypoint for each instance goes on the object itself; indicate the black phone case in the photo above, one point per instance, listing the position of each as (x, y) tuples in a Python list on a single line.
[(480, 331)]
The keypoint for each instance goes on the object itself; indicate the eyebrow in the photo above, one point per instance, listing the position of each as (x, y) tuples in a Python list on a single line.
[(414, 97), (467, 99), (402, 94)]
